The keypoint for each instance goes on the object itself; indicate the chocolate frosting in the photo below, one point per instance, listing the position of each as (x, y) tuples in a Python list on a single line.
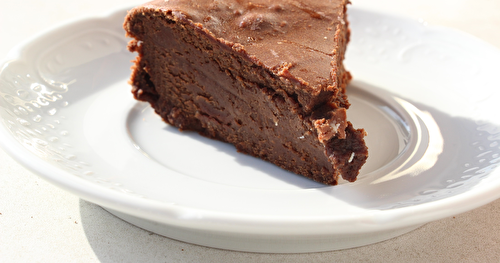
[(281, 25)]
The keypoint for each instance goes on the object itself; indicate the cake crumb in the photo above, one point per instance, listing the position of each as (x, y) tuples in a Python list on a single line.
[(351, 158)]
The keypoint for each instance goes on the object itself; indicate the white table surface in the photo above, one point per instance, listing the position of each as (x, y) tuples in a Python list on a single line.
[(42, 223)]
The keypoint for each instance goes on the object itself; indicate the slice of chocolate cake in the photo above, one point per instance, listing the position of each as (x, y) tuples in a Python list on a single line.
[(265, 76)]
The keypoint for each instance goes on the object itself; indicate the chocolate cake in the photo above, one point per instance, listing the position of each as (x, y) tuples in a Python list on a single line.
[(265, 76)]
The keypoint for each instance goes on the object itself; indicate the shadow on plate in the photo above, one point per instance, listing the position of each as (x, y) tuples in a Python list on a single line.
[(467, 153)]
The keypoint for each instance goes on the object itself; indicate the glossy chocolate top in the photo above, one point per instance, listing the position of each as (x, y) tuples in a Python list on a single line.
[(295, 39)]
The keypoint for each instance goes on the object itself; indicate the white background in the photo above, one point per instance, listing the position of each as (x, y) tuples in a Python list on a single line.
[(41, 223)]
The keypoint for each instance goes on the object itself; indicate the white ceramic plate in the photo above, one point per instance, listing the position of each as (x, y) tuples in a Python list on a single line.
[(426, 96)]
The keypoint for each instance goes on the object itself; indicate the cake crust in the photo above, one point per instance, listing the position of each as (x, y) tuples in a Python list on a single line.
[(266, 76)]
